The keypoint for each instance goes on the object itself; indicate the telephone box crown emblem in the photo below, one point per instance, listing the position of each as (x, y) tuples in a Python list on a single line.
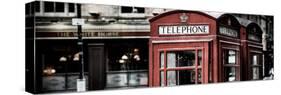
[(183, 17)]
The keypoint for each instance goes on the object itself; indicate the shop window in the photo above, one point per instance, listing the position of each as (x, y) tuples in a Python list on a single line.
[(180, 67), (256, 66), (71, 7), (125, 9), (231, 66), (127, 66), (60, 68)]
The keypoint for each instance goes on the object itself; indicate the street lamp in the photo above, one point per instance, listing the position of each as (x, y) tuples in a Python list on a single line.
[(81, 82)]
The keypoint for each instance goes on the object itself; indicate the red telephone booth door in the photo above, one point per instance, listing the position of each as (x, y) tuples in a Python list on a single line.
[(180, 63)]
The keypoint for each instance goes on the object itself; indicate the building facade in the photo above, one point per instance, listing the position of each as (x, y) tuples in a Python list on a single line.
[(131, 47)]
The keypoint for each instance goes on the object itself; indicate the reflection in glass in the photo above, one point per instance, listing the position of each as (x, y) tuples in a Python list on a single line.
[(171, 59), (180, 77), (199, 57), (230, 74), (231, 57), (199, 76), (180, 58), (162, 82), (255, 62), (161, 60), (171, 78), (255, 73)]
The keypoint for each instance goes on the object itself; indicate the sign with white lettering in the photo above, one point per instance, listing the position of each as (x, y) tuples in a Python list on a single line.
[(78, 21), (228, 32), (183, 29), (81, 85)]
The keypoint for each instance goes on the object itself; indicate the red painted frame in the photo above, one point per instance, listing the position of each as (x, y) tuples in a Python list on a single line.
[(165, 69), (155, 65)]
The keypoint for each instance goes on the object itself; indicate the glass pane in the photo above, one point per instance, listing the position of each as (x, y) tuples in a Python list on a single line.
[(53, 83), (37, 6), (180, 77), (199, 76), (180, 58), (116, 80), (136, 79), (140, 9), (230, 74), (59, 7), (171, 59), (171, 78), (255, 60), (231, 57), (161, 60), (49, 6), (186, 58), (162, 83), (199, 57), (255, 71), (125, 9), (71, 7), (122, 57)]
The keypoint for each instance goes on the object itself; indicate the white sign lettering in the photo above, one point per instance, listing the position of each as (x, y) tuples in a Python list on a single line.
[(185, 29), (228, 31), (78, 21)]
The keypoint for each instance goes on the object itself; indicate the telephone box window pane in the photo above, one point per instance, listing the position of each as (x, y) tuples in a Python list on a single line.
[(230, 74), (231, 57), (71, 7), (199, 76), (49, 6), (199, 57), (256, 73), (255, 62), (162, 82), (161, 60), (180, 77), (59, 7), (186, 58), (171, 59), (180, 59), (171, 78)]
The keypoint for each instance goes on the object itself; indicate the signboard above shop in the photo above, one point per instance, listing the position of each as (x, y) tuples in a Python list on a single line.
[(183, 29)]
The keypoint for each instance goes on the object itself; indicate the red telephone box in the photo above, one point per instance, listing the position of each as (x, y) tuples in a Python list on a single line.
[(180, 47), (191, 47), (254, 52)]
